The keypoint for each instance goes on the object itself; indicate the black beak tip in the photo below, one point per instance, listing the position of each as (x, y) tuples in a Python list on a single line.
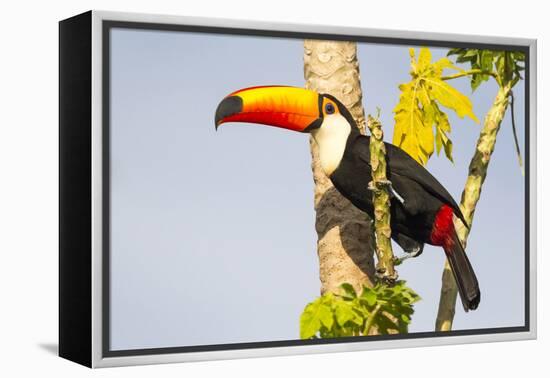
[(229, 106)]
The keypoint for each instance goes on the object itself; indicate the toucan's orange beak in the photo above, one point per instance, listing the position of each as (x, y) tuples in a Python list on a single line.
[(290, 108)]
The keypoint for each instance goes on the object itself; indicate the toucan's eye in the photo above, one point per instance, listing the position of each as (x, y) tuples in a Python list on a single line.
[(329, 108)]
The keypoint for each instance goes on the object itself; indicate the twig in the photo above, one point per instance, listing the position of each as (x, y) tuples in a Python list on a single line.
[(518, 150), (370, 320), (468, 73)]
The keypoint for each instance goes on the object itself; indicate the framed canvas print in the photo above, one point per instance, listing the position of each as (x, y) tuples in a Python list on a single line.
[(232, 189)]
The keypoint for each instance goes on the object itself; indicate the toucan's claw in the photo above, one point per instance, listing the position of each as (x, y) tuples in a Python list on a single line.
[(398, 260), (395, 194), (415, 252), (387, 183)]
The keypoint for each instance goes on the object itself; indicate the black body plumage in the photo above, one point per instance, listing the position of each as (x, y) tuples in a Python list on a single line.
[(423, 195)]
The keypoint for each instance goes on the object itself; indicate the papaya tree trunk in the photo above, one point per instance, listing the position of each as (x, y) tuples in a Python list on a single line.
[(345, 243), (477, 172)]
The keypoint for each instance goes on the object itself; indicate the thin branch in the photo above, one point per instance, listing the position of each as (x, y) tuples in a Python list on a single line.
[(381, 188), (468, 73), (370, 320), (477, 172), (518, 150)]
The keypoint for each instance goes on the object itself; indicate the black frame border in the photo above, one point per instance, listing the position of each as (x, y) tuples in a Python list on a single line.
[(75, 191), (108, 25)]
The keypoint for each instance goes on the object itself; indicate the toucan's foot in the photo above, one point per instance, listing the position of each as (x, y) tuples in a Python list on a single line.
[(415, 252), (398, 260), (387, 183), (409, 253)]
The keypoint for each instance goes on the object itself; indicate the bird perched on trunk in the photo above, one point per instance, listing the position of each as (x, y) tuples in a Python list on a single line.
[(422, 210)]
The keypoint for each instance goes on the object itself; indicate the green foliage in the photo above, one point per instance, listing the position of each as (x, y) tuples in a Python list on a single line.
[(388, 309), (505, 66), (419, 120)]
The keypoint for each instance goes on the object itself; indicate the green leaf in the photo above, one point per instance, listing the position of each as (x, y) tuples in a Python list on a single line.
[(486, 58), (369, 296), (349, 290), (325, 315), (469, 53), (337, 316), (476, 81), (316, 314), (441, 139), (344, 313), (461, 59), (447, 145), (385, 325), (310, 322)]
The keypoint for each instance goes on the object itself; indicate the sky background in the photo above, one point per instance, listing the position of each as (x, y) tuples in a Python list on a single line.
[(212, 233)]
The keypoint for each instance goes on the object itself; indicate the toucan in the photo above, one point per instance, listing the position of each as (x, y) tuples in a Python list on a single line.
[(422, 210)]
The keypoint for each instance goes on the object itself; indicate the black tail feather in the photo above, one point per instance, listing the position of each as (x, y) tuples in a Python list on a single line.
[(464, 275)]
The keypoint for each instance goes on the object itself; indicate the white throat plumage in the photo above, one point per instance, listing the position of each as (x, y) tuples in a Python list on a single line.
[(331, 138)]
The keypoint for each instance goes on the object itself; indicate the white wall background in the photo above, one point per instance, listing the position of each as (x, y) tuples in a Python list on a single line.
[(28, 189)]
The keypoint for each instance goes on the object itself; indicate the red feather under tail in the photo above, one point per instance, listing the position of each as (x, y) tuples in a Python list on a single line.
[(444, 235)]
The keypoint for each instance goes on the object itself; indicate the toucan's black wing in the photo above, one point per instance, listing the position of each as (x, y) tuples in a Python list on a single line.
[(402, 164)]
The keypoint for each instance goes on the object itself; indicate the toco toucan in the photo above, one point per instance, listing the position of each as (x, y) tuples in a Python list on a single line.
[(422, 209)]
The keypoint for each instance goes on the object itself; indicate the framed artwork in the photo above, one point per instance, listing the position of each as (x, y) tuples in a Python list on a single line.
[(390, 203)]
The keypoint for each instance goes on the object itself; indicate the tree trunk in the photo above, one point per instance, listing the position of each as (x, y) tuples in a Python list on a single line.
[(470, 196), (345, 234)]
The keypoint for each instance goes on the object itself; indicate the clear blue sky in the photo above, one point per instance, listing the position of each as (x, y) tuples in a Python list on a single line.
[(213, 236)]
